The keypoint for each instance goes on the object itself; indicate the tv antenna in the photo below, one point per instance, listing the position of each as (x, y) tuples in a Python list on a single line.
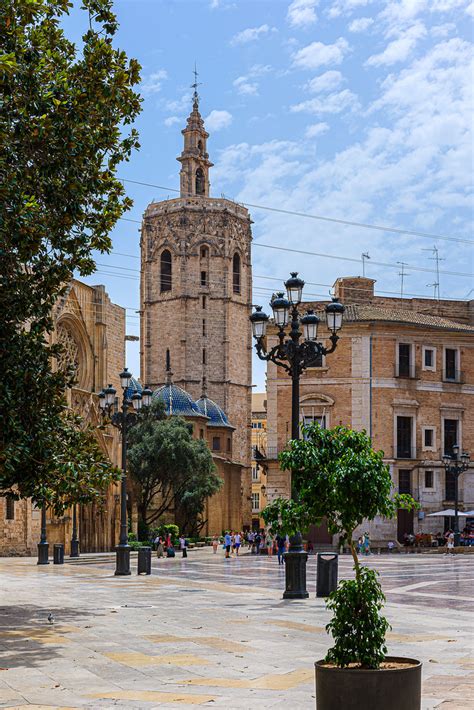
[(402, 275), (436, 257), (364, 256)]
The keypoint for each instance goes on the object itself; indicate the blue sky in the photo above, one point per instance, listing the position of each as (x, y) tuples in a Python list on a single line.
[(354, 109)]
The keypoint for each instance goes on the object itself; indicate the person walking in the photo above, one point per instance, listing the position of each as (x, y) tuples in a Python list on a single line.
[(159, 547), (182, 546), (450, 542), (366, 544), (237, 542), (257, 541), (215, 544), (227, 545), (269, 544), (280, 540)]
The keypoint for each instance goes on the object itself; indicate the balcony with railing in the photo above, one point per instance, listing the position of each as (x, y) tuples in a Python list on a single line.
[(406, 373)]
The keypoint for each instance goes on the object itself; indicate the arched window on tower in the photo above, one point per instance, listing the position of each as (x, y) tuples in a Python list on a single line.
[(199, 182), (236, 274), (200, 147), (165, 271)]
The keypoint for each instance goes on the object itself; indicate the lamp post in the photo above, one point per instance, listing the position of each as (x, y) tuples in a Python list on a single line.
[(43, 546), (74, 539), (456, 464), (295, 357), (123, 420)]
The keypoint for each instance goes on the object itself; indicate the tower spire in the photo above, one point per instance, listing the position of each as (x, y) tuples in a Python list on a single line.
[(195, 163), (195, 86)]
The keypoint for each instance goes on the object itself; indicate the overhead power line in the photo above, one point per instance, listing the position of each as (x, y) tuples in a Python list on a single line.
[(338, 258), (335, 220)]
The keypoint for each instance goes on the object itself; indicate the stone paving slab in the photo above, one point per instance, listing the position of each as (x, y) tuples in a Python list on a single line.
[(205, 632)]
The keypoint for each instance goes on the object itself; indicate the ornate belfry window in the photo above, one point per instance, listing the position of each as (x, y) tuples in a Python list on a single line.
[(166, 279), (200, 187), (69, 358)]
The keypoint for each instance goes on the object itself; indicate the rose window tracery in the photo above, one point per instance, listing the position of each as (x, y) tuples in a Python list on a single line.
[(69, 358)]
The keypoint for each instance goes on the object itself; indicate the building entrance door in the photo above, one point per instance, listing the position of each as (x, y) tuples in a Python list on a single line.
[(404, 523), (319, 534)]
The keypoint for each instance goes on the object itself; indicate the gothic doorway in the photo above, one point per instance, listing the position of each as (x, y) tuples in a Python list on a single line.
[(319, 534)]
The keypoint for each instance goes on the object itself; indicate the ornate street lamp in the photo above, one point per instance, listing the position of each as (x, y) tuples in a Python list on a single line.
[(455, 465), (123, 420), (295, 357)]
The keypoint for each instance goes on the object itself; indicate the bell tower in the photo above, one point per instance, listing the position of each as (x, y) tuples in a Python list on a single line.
[(195, 163), (196, 294)]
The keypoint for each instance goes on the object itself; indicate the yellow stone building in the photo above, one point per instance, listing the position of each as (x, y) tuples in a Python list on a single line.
[(259, 452), (91, 330)]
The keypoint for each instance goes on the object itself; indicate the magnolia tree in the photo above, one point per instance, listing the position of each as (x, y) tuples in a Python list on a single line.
[(337, 475)]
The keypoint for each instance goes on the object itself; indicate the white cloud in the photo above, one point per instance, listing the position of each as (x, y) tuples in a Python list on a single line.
[(361, 24), (470, 9), (251, 34), (217, 120), (302, 13), (152, 84), (400, 49), (316, 129), (318, 54), (346, 7), (180, 105), (246, 87), (246, 84), (324, 82), (332, 103), (171, 120)]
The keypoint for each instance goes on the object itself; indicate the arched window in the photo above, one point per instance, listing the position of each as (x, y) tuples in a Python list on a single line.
[(236, 274), (165, 271), (200, 146), (199, 182), (204, 252)]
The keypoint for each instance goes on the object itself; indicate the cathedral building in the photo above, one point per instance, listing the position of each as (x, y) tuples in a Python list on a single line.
[(196, 285), (91, 330)]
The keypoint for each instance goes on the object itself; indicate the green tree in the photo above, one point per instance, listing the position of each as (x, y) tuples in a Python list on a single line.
[(64, 129), (171, 469), (337, 476)]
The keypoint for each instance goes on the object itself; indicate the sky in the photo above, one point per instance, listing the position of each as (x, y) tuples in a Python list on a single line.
[(356, 110)]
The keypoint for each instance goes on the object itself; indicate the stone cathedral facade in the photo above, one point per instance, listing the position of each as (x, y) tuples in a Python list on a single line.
[(196, 286)]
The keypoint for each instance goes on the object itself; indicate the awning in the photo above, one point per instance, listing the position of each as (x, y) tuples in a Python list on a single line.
[(449, 513)]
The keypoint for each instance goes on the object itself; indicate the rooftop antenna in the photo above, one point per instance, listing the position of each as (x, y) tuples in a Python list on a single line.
[(402, 275), (437, 258), (364, 256), (195, 86)]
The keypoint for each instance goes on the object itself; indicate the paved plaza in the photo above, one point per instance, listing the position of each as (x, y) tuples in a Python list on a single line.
[(205, 631)]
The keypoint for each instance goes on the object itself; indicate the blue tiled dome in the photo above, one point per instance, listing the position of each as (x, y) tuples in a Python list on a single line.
[(177, 401), (216, 415), (133, 386)]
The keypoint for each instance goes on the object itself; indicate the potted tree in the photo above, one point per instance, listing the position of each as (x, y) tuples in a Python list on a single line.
[(336, 475)]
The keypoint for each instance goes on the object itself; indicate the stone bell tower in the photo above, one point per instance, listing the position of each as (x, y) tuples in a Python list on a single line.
[(196, 293)]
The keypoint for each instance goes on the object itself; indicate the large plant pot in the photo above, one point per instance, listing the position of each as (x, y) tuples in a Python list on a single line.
[(358, 689)]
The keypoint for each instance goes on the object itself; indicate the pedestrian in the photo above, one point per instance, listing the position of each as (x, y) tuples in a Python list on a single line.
[(366, 544), (257, 541), (359, 545), (287, 543), (215, 543), (159, 547), (182, 546), (390, 546), (450, 542), (280, 540), (237, 542), (227, 544), (155, 542), (269, 544)]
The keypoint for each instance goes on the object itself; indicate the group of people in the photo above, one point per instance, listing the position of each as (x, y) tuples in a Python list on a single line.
[(257, 541), (164, 545)]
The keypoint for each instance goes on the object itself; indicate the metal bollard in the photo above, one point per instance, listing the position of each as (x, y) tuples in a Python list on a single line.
[(58, 554), (326, 573), (144, 560)]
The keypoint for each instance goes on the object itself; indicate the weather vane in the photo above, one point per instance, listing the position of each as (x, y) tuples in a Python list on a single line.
[(195, 86)]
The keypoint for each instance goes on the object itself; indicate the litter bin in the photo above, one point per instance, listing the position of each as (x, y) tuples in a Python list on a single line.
[(326, 573), (144, 560), (58, 554)]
